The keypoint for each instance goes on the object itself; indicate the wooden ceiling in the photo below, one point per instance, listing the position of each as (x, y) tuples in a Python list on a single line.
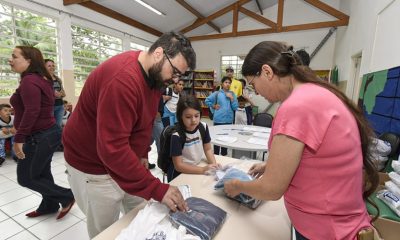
[(231, 7)]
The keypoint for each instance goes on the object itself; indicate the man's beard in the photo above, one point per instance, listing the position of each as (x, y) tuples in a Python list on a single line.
[(155, 75)]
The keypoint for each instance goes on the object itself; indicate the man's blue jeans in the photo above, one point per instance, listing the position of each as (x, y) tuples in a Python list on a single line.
[(34, 172)]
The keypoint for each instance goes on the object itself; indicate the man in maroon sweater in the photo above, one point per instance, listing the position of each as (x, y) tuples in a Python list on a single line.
[(106, 140)]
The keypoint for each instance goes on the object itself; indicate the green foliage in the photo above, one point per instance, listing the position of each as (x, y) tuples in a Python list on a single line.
[(19, 27)]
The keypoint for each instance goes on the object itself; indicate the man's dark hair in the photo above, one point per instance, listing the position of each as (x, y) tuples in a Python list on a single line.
[(175, 43), (304, 56)]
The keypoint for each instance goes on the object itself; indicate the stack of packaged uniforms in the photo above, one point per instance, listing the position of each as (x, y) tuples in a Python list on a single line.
[(233, 173), (391, 195), (380, 150)]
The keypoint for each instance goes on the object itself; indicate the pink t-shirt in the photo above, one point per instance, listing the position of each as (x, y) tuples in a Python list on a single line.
[(324, 199)]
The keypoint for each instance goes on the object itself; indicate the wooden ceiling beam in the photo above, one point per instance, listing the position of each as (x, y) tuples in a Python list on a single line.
[(257, 17), (299, 27), (118, 16), (197, 14), (70, 2), (328, 9), (279, 20), (316, 25), (213, 16), (235, 19)]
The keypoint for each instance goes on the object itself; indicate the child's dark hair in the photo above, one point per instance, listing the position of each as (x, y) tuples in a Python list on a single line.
[(226, 78), (243, 82), (241, 99), (4, 105), (186, 101)]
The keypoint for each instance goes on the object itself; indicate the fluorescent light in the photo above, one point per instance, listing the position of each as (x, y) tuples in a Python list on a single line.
[(149, 7)]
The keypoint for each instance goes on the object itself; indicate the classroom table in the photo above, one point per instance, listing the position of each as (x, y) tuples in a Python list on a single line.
[(268, 221), (244, 134)]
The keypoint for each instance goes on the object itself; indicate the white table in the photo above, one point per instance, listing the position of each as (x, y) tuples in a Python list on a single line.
[(268, 221), (243, 133)]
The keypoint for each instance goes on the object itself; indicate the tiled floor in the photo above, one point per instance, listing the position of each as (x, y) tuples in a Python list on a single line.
[(16, 201)]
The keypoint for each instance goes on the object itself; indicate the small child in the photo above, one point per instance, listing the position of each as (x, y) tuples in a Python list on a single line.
[(171, 98), (7, 130), (67, 113), (195, 147), (243, 115)]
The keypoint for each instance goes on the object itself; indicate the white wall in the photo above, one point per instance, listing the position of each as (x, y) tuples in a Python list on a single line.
[(295, 12), (373, 31)]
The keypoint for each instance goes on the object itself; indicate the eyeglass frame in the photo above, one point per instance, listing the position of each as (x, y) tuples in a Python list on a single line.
[(176, 74), (252, 80)]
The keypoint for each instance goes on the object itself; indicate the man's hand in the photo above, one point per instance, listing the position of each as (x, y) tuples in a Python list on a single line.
[(174, 200)]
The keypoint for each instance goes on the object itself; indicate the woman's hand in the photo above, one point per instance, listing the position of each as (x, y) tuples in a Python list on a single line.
[(18, 150), (257, 170), (231, 187), (57, 94), (211, 168)]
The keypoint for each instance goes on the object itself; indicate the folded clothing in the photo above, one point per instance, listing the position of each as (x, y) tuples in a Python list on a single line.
[(203, 219), (234, 173)]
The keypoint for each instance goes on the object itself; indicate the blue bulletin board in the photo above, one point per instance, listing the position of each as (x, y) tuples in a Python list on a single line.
[(380, 100)]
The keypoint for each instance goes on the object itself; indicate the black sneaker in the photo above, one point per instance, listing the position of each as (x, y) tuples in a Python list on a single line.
[(152, 165), (1, 161)]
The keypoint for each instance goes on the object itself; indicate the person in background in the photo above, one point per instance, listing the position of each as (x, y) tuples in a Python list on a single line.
[(195, 148), (59, 92), (107, 138), (304, 56), (37, 135), (223, 103), (7, 131), (171, 99), (66, 114), (236, 85), (323, 186)]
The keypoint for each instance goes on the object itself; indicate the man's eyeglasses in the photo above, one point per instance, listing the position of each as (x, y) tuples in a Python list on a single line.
[(176, 74)]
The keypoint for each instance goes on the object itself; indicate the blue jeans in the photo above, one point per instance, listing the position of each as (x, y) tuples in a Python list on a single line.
[(3, 147), (34, 171), (58, 114), (157, 129), (171, 115)]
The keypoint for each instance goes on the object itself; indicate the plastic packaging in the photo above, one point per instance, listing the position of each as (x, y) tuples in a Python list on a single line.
[(390, 200), (396, 166), (203, 219), (234, 173), (395, 178)]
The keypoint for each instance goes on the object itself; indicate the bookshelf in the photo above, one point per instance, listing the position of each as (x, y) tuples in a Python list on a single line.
[(203, 86), (188, 86)]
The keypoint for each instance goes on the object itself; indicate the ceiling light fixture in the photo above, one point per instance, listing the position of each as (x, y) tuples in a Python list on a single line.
[(150, 7)]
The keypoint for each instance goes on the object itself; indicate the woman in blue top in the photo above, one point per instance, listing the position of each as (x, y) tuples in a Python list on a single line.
[(223, 103)]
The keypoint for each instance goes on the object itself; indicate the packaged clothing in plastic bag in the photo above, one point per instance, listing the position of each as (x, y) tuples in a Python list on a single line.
[(390, 199), (203, 218), (380, 147), (234, 173), (396, 166), (152, 223)]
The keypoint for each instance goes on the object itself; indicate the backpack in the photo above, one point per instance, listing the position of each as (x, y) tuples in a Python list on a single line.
[(210, 112), (164, 159)]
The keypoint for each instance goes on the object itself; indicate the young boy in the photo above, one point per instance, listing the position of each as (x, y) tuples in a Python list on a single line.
[(7, 130), (171, 99)]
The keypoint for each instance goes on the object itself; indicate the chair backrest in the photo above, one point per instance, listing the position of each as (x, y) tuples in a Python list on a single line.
[(394, 141), (263, 120)]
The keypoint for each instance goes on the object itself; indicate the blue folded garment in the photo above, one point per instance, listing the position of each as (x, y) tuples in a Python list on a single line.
[(234, 173)]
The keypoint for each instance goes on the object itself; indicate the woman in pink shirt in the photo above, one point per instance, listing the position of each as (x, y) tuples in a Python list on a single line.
[(318, 148)]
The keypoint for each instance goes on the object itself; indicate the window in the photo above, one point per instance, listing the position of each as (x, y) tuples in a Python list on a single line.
[(235, 61), (20, 27), (89, 49), (135, 46)]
